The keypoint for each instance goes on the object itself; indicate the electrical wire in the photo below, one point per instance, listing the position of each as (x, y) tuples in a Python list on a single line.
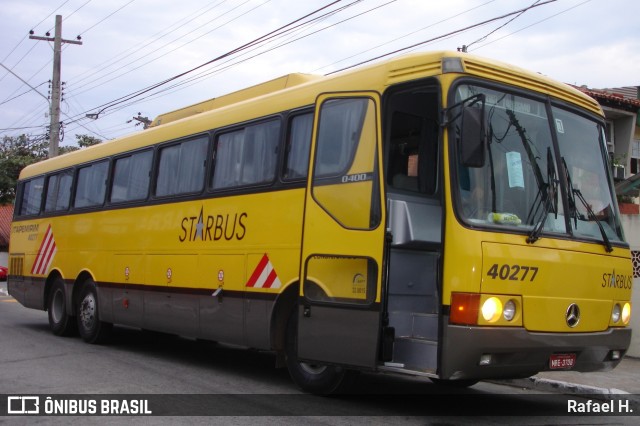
[(105, 65), (23, 93), (501, 26), (129, 70), (105, 18), (438, 37), (147, 89), (531, 25), (405, 35), (221, 68)]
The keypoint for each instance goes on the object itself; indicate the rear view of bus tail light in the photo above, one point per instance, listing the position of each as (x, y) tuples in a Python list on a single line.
[(464, 308)]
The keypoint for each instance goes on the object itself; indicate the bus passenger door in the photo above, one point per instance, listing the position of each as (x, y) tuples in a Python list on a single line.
[(343, 234)]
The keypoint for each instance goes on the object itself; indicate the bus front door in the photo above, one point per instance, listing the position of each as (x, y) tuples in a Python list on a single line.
[(343, 235)]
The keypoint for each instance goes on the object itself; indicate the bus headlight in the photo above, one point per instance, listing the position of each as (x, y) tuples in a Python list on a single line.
[(492, 309), (509, 310), (615, 313), (626, 313)]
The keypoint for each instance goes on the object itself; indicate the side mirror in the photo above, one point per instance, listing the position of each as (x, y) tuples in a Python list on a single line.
[(473, 140)]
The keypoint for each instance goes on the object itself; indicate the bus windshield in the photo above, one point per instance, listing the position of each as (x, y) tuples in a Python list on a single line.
[(518, 185)]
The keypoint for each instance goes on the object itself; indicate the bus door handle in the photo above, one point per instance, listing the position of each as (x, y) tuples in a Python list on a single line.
[(306, 312)]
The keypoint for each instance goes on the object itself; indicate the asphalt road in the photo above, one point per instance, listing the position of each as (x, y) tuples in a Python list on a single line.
[(239, 386)]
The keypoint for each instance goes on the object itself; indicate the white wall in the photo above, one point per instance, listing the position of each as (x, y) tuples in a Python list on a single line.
[(631, 225)]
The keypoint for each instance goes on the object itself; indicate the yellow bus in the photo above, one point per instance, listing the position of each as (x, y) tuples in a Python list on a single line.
[(437, 214)]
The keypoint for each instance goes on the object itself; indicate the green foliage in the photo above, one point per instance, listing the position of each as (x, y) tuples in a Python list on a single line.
[(20, 151), (15, 154), (85, 141)]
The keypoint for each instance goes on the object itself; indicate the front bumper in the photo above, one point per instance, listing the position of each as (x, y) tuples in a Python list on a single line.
[(516, 352)]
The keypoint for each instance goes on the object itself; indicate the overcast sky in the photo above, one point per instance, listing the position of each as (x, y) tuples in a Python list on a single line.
[(129, 45)]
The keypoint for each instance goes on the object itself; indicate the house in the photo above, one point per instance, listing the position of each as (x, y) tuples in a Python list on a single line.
[(621, 107), (6, 214)]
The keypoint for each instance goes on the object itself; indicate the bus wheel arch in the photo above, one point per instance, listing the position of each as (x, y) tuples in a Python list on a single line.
[(283, 306), (59, 311), (91, 328), (320, 379)]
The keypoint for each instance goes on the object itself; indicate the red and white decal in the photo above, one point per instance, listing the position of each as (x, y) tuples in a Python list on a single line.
[(264, 276), (46, 252)]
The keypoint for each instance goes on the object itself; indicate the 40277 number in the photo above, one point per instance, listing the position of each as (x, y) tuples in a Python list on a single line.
[(512, 272)]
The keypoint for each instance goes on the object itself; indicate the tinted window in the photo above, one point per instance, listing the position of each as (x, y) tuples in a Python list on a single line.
[(247, 156), (131, 177), (182, 167), (58, 192), (92, 185), (298, 145), (32, 196), (339, 132)]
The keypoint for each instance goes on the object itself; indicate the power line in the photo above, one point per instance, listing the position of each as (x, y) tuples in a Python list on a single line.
[(221, 68), (159, 48), (24, 82), (105, 18), (19, 128), (439, 37), (533, 24), (22, 94), (464, 48), (103, 67), (73, 13), (140, 92), (405, 35)]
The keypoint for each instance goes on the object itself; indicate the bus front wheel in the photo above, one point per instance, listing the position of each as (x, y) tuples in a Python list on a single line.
[(60, 322), (91, 329), (312, 377)]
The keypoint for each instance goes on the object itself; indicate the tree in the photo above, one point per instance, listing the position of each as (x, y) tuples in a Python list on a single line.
[(83, 141), (18, 152), (15, 154)]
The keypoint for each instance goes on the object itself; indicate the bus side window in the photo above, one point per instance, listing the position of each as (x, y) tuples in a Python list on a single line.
[(298, 146), (131, 177), (246, 156), (58, 192), (182, 167), (32, 196), (92, 185)]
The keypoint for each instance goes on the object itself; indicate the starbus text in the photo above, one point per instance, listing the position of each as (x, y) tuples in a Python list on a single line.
[(213, 228)]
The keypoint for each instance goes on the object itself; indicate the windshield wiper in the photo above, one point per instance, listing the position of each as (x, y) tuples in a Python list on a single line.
[(573, 193), (548, 196), (545, 189)]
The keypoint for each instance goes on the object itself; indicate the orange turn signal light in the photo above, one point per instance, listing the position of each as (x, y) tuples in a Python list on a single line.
[(464, 308)]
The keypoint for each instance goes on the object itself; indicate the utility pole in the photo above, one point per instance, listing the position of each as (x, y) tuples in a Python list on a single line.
[(54, 127)]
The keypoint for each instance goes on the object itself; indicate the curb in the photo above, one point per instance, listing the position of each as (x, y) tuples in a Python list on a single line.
[(559, 386)]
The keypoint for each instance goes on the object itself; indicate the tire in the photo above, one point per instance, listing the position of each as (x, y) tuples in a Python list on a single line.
[(91, 329), (60, 322), (318, 379)]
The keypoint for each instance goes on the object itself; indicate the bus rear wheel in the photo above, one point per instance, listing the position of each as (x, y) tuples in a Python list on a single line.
[(314, 378), (91, 329), (60, 322)]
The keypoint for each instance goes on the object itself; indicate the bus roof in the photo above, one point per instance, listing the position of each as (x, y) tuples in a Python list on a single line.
[(300, 90), (267, 87)]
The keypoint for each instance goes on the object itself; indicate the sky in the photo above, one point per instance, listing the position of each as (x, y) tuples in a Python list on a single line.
[(130, 46)]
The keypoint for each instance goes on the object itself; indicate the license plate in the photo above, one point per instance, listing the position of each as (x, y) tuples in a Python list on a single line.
[(562, 361)]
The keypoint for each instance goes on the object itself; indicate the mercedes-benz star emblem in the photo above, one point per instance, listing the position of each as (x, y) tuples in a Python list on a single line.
[(573, 315)]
